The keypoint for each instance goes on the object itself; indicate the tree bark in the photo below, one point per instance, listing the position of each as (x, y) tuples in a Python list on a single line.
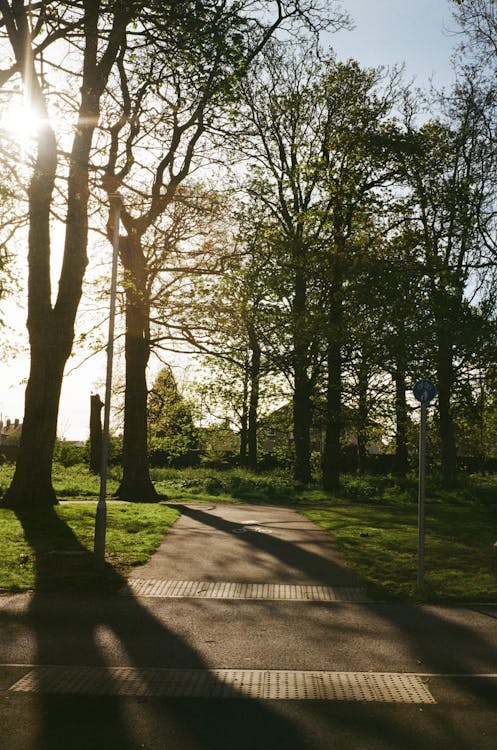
[(136, 485), (95, 434), (255, 371), (32, 481), (401, 421), (331, 461)]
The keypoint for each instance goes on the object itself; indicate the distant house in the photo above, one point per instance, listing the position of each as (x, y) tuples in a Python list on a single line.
[(10, 431)]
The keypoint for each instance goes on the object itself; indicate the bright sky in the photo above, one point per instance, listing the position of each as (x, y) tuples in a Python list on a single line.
[(387, 32)]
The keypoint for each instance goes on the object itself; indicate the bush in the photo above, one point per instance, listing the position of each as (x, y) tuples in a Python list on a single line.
[(70, 454), (213, 486)]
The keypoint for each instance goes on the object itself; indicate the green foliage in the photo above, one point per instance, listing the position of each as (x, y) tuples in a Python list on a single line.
[(219, 445), (173, 437), (239, 484), (69, 454)]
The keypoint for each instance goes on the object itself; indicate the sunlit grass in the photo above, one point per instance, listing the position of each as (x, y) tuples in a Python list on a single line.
[(57, 555), (373, 519)]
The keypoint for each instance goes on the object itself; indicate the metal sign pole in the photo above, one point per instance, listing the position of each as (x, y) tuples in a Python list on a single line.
[(101, 515), (421, 494)]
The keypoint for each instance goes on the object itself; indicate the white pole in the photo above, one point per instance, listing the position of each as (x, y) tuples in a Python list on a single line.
[(101, 514)]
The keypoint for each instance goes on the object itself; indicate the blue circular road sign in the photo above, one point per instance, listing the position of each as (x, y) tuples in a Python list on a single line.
[(424, 391)]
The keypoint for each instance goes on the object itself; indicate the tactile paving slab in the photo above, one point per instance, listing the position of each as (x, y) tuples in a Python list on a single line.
[(227, 590), (227, 683)]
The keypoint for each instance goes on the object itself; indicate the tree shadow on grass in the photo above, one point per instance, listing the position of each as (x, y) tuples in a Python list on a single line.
[(99, 630)]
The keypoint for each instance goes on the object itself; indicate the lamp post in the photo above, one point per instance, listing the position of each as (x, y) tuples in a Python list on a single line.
[(101, 514)]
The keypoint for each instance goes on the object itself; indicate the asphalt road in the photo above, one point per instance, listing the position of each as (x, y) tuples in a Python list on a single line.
[(451, 651)]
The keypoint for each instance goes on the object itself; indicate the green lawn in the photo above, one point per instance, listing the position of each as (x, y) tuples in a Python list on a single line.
[(373, 519), (380, 543), (51, 549)]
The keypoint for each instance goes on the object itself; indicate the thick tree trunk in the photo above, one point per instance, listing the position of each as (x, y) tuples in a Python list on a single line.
[(362, 417), (136, 485), (32, 481), (244, 420), (445, 379), (401, 421), (331, 460), (255, 371), (95, 434)]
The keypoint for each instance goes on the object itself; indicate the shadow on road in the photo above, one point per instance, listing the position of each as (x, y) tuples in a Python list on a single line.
[(322, 568), (439, 640), (67, 632), (99, 630)]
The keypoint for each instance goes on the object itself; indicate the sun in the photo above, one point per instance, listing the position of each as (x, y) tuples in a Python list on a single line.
[(20, 121)]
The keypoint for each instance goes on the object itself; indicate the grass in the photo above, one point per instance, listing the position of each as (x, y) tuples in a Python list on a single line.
[(380, 543), (51, 550), (373, 519)]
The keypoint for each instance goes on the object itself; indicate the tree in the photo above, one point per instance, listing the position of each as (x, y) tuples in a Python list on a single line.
[(96, 33), (316, 139), (283, 116), (478, 19), (357, 177), (187, 78), (230, 317), (172, 433), (450, 174)]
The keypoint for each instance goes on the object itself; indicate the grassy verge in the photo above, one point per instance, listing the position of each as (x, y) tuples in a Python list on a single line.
[(380, 543), (373, 519), (51, 550)]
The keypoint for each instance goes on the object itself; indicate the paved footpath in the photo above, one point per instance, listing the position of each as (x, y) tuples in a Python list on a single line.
[(245, 631)]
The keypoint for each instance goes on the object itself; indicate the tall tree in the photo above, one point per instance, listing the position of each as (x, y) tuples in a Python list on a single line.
[(450, 173), (95, 31), (189, 75)]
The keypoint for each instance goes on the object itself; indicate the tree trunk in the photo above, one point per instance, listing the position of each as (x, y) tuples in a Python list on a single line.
[(95, 434), (362, 416), (32, 481), (331, 461), (136, 485), (255, 371), (445, 379), (302, 406), (244, 420), (401, 421)]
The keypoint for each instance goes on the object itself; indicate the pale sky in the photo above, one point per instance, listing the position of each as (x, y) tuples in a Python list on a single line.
[(388, 32), (418, 33)]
